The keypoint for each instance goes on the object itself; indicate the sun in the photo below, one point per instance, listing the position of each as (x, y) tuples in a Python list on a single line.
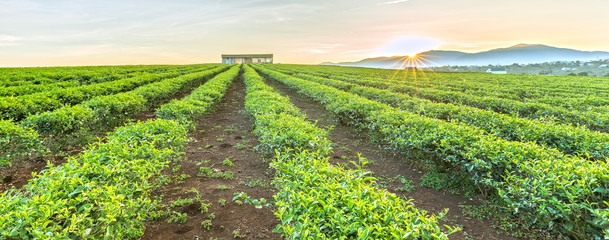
[(416, 61)]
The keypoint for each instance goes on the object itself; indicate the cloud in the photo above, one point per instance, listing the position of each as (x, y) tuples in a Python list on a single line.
[(327, 45), (368, 6), (359, 51), (392, 2), (8, 40), (275, 19), (318, 51)]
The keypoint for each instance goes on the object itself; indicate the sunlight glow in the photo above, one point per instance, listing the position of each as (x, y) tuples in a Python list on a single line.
[(408, 46)]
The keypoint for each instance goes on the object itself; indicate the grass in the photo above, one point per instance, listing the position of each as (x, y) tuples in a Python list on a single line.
[(227, 162), (230, 129), (206, 224), (447, 182), (407, 185), (181, 178), (181, 202), (177, 217), (237, 233), (257, 182), (222, 202)]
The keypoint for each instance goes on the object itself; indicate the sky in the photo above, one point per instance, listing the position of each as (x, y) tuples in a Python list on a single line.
[(111, 32)]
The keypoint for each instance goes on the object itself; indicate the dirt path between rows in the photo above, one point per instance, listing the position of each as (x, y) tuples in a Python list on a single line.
[(387, 165), (226, 133)]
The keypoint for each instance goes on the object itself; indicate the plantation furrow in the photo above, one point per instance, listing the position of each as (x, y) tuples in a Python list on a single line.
[(69, 81), (533, 110), (402, 77), (318, 200), (104, 192), (30, 143), (222, 143), (84, 74), (566, 138), (21, 107), (71, 126), (391, 168), (15, 91), (544, 187), (506, 86)]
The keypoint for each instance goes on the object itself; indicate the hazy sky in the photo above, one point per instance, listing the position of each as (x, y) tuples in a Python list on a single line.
[(92, 32)]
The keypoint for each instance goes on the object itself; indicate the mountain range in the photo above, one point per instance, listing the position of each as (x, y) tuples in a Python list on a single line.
[(520, 54)]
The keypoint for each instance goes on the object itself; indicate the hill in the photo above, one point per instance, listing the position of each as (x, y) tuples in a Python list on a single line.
[(521, 54)]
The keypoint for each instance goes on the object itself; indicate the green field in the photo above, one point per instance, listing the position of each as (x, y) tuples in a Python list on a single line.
[(530, 150)]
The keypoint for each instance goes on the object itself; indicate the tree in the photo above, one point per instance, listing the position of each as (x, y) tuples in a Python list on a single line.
[(582, 74)]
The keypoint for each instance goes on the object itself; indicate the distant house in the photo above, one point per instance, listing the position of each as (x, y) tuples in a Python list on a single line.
[(247, 58), (603, 66), (496, 71), (566, 69)]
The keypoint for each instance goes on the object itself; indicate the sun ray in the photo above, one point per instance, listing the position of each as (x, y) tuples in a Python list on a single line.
[(412, 66)]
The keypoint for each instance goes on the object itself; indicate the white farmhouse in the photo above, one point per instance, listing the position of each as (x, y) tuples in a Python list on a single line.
[(247, 58)]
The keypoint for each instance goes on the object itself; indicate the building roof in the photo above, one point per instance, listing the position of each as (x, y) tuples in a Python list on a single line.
[(247, 55)]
